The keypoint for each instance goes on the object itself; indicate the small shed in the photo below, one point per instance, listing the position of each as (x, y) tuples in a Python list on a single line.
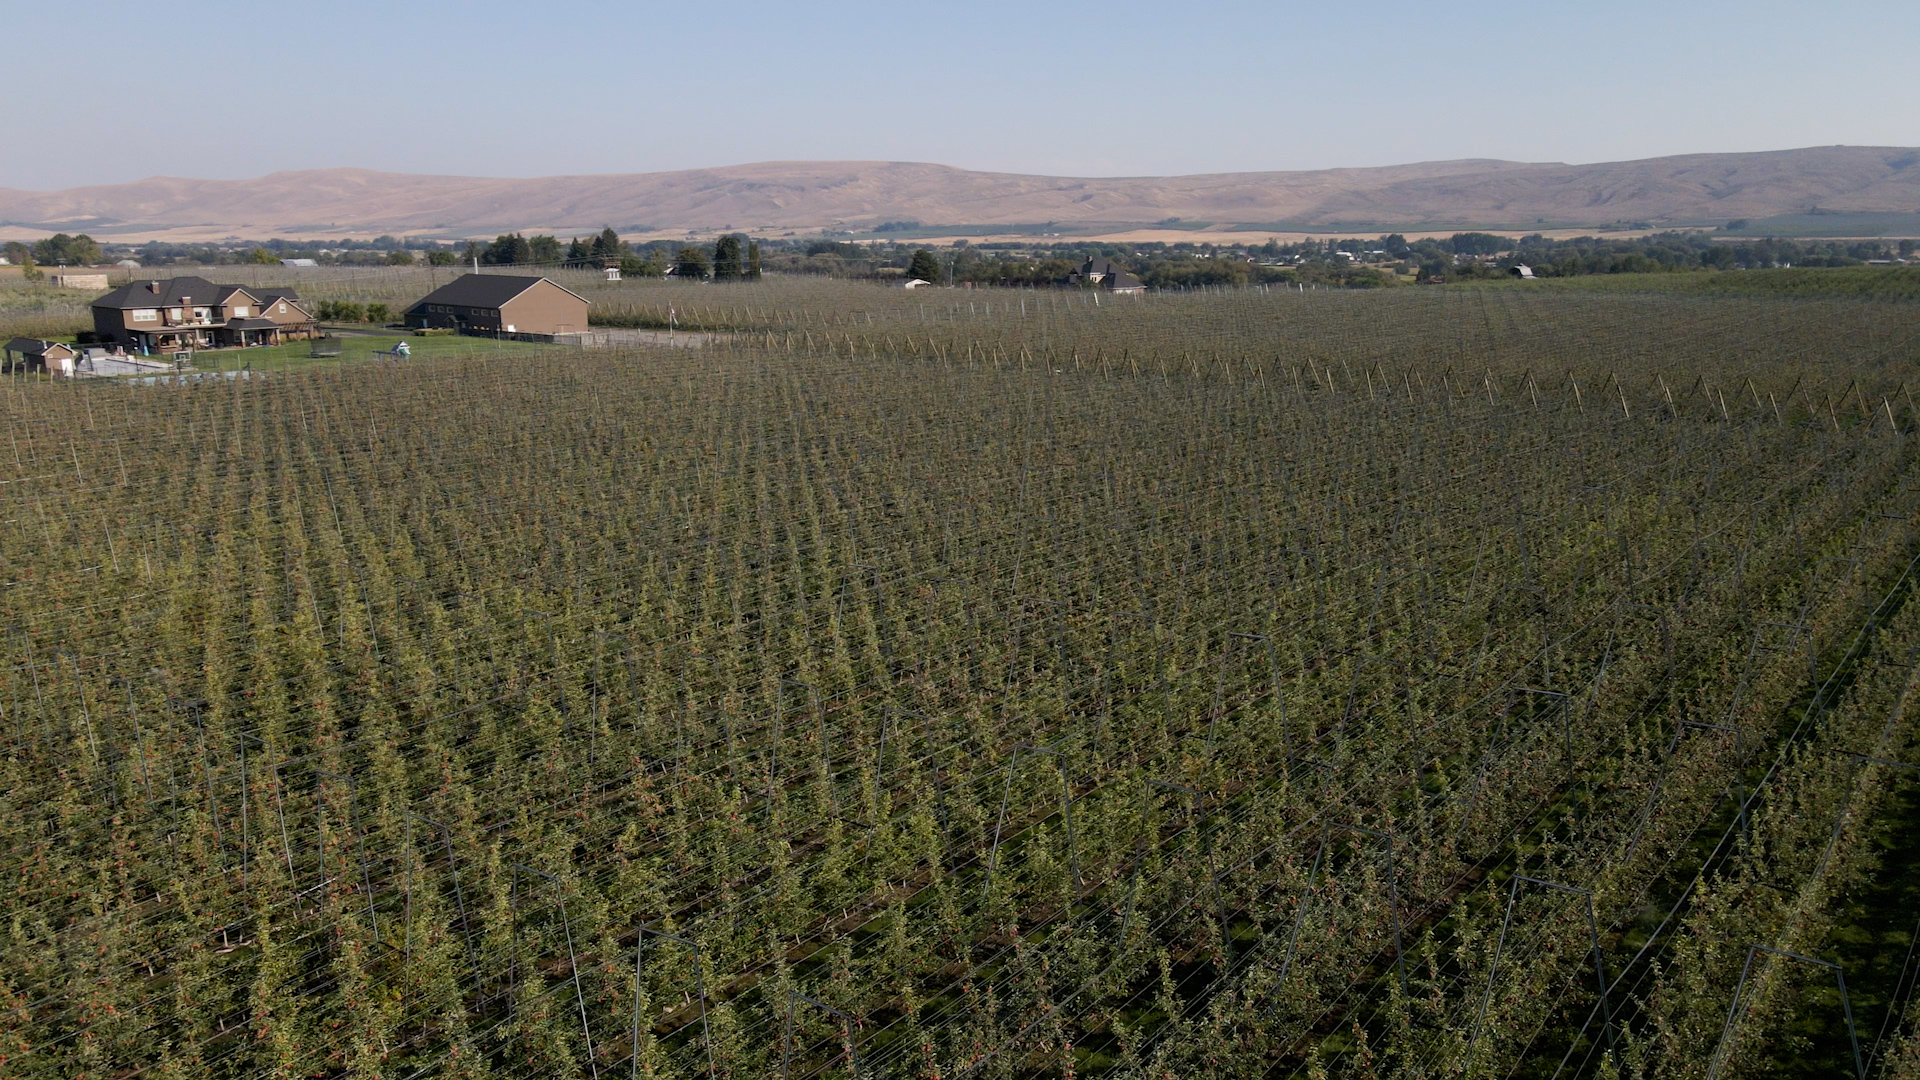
[(80, 279), (914, 283), (1523, 271), (612, 272), (298, 262), (36, 354)]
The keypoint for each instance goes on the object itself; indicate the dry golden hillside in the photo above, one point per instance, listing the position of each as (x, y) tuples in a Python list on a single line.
[(1699, 188)]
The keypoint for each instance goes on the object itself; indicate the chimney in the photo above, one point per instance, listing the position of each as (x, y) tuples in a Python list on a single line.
[(153, 286)]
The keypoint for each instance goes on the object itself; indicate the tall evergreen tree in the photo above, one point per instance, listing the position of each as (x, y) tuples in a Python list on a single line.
[(727, 264), (924, 266), (753, 260), (607, 245)]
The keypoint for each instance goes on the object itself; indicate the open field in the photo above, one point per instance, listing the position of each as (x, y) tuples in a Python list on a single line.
[(1463, 681)]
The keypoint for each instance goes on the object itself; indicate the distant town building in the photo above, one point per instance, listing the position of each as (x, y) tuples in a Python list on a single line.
[(1093, 272), (1107, 275), (298, 262), (501, 304), (192, 312)]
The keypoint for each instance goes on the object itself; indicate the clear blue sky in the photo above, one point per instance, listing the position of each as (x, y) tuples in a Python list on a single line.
[(107, 91)]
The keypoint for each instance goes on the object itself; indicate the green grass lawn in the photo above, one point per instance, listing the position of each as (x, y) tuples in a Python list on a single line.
[(356, 349)]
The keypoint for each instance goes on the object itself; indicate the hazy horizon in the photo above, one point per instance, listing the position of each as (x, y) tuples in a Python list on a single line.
[(491, 89), (1075, 176)]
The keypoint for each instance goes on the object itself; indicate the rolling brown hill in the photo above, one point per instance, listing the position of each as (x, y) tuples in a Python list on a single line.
[(1696, 188)]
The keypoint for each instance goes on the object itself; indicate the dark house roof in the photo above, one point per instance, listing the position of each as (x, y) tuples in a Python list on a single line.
[(140, 294), (34, 346), (1120, 279), (1098, 266), (484, 291)]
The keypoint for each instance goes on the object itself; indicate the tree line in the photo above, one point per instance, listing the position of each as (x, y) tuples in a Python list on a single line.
[(1350, 262), (731, 258)]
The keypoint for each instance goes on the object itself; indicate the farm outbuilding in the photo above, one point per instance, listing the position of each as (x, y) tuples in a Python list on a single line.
[(39, 355), (501, 304)]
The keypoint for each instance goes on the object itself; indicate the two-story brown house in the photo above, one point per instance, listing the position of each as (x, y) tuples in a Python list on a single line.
[(192, 312), (499, 303)]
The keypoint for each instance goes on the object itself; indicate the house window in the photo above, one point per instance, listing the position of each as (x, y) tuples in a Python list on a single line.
[(202, 314), (145, 315), (240, 311), (283, 309), (174, 314)]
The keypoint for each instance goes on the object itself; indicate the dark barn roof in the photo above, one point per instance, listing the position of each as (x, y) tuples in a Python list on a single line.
[(485, 290)]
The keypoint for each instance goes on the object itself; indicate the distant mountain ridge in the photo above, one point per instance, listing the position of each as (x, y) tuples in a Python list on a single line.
[(1688, 189)]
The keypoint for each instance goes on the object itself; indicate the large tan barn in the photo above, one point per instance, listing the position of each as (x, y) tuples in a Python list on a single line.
[(498, 303)]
